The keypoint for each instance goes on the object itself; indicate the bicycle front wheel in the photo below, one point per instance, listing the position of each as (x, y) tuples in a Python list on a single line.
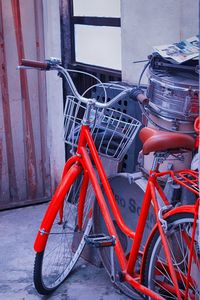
[(156, 272), (64, 244)]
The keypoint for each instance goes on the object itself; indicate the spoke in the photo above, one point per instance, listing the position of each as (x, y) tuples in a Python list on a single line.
[(182, 274), (57, 244), (191, 286), (162, 287), (62, 233), (60, 256), (60, 260), (166, 274), (52, 250), (52, 264), (176, 264), (179, 239)]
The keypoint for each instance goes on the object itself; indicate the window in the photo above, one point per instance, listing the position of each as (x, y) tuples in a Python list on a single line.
[(97, 8), (97, 33)]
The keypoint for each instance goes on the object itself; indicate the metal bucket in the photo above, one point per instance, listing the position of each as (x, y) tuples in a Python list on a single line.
[(175, 94)]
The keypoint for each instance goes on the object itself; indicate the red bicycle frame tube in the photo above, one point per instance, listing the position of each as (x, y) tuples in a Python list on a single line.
[(143, 289), (139, 231)]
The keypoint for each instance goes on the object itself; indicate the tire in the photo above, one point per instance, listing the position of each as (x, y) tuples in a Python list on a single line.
[(64, 244), (156, 277)]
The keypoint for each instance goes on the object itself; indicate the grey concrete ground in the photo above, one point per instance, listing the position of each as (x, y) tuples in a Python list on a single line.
[(17, 232)]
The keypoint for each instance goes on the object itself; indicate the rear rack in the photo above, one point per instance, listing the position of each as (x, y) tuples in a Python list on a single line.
[(187, 178)]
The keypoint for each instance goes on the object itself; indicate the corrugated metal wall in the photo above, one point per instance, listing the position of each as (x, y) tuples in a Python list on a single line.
[(24, 159)]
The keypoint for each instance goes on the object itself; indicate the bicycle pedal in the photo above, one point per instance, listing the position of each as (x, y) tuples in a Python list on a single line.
[(100, 240)]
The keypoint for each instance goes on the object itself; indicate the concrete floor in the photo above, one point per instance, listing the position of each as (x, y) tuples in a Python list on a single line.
[(17, 233)]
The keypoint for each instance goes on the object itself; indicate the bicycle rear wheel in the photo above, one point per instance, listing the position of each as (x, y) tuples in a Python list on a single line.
[(64, 244), (156, 272)]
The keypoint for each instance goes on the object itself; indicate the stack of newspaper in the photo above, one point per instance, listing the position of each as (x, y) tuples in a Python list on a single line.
[(181, 51)]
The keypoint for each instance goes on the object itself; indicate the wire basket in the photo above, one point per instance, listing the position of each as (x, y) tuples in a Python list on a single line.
[(113, 131)]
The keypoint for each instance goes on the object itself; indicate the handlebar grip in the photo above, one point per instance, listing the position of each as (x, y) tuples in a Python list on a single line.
[(35, 64), (138, 95), (143, 99)]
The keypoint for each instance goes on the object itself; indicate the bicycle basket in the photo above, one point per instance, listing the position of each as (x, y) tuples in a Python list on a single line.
[(112, 131)]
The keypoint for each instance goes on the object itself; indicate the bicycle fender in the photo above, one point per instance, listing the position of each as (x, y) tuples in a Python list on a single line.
[(54, 206), (176, 210), (69, 163)]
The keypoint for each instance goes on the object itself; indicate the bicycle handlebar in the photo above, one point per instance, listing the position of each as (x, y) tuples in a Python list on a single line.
[(136, 94), (55, 64)]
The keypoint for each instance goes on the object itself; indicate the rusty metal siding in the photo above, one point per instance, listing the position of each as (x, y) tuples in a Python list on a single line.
[(24, 157)]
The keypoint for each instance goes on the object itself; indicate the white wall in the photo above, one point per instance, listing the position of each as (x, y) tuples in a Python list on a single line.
[(54, 90), (147, 23)]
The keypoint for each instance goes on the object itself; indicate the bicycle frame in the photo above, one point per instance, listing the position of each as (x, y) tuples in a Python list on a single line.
[(83, 161)]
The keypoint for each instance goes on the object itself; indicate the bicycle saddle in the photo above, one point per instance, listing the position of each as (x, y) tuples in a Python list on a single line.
[(156, 140)]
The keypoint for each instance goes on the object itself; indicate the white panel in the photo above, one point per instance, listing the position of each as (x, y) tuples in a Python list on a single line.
[(148, 23), (98, 45), (97, 8)]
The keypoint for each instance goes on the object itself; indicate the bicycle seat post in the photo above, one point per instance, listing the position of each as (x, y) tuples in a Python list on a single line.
[(159, 158)]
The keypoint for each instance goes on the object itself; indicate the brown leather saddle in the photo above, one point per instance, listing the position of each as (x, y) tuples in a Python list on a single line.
[(157, 141)]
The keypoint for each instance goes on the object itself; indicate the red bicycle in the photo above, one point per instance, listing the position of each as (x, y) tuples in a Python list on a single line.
[(167, 264)]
